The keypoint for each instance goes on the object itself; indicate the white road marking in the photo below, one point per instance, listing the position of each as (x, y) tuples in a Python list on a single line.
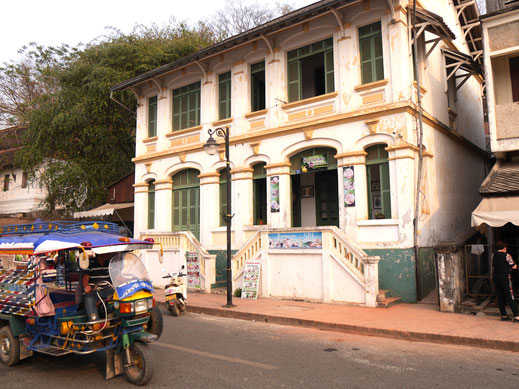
[(216, 356)]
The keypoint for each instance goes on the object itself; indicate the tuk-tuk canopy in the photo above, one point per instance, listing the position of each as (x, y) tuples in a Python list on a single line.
[(40, 238)]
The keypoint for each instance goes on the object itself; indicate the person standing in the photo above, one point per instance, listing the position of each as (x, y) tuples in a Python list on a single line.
[(503, 264)]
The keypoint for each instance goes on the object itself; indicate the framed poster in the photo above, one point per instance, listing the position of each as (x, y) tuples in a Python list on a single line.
[(274, 194), (375, 186), (307, 191), (349, 186)]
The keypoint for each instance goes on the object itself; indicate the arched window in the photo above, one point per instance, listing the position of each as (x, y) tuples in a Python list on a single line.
[(379, 193), (259, 189), (151, 204), (186, 201)]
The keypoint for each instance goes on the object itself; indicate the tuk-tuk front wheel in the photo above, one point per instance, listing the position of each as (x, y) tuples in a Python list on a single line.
[(140, 364), (9, 347)]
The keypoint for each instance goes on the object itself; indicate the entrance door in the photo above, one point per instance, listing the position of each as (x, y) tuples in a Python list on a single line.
[(186, 202), (327, 198)]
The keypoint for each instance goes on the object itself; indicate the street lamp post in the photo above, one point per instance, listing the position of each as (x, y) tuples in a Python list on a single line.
[(211, 148)]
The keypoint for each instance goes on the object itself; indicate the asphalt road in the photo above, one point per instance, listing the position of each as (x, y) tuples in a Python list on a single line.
[(200, 351)]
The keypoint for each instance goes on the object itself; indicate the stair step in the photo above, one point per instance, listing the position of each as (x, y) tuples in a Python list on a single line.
[(389, 302), (50, 350)]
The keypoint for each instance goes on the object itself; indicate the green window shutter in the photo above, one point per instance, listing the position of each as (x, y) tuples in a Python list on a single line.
[(371, 53), (294, 81), (223, 197), (151, 205), (385, 190), (186, 106), (224, 95), (152, 116), (328, 69)]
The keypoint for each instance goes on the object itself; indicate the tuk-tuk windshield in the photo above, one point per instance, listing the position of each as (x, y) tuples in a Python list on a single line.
[(125, 268)]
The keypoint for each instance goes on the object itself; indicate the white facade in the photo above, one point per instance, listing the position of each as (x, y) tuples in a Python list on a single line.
[(19, 196), (346, 121)]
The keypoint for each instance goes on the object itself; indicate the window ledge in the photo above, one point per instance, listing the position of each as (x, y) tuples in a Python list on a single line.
[(222, 122), (149, 140), (184, 131), (255, 113), (310, 100), (377, 222), (371, 85)]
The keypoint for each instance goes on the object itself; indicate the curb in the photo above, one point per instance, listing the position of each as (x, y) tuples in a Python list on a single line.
[(362, 330)]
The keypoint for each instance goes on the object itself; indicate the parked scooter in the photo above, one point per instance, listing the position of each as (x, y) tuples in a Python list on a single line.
[(175, 290)]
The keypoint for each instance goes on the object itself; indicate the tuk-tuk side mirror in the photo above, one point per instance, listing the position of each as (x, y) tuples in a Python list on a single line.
[(182, 267)]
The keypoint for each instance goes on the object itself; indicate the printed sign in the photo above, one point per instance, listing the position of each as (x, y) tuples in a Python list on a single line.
[(274, 194), (313, 162), (193, 269), (297, 240), (251, 276), (349, 186)]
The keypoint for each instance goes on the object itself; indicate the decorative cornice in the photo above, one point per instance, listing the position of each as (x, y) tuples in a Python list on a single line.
[(184, 131), (371, 85), (222, 122), (255, 113), (149, 140)]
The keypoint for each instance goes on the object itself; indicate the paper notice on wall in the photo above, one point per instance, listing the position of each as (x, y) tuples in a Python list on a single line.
[(193, 269), (251, 276)]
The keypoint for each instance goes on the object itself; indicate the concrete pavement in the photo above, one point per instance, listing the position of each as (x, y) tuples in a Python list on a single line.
[(413, 322)]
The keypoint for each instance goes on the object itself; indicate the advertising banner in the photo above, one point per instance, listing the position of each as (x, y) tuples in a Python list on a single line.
[(251, 276), (297, 240), (193, 269)]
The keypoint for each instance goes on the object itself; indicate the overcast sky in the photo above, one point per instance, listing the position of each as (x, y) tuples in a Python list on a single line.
[(52, 22)]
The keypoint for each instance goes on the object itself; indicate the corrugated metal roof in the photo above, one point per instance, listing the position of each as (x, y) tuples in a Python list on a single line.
[(502, 179), (294, 17)]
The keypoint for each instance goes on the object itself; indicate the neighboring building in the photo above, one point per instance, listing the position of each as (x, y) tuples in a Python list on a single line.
[(19, 197), (499, 209), (321, 105), (119, 206)]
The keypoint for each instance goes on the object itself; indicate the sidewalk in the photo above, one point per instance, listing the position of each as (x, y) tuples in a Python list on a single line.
[(414, 322)]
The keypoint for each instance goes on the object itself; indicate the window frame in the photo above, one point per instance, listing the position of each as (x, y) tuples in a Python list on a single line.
[(259, 203), (224, 81), (255, 96), (152, 118), (193, 89), (151, 209), (371, 36), (294, 64), (385, 190)]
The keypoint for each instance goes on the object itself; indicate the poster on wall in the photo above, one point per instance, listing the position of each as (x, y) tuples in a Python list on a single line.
[(251, 276), (297, 240), (349, 186), (193, 269), (274, 194)]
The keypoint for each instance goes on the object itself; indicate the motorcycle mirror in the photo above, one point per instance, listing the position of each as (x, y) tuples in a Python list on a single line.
[(182, 267)]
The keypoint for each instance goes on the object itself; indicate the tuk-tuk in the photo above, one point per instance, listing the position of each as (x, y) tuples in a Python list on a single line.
[(38, 316)]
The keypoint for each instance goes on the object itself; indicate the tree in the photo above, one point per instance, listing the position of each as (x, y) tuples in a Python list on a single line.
[(78, 137), (237, 17)]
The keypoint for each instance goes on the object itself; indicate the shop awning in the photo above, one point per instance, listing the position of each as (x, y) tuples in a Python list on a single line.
[(497, 211), (103, 210)]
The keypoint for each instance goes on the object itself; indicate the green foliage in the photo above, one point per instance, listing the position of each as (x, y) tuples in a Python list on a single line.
[(80, 138), (237, 292)]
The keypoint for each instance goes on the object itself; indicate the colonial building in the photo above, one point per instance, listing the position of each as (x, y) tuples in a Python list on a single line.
[(19, 197), (325, 107)]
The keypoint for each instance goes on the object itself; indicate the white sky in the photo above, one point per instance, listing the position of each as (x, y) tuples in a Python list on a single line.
[(53, 22)]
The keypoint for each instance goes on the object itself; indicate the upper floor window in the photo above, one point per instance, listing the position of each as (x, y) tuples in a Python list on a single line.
[(257, 75), (310, 70), (379, 193), (514, 76), (371, 55), (24, 180), (224, 95), (186, 106), (151, 205), (152, 116)]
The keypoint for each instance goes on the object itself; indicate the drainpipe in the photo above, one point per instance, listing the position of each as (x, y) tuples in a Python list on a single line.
[(420, 160)]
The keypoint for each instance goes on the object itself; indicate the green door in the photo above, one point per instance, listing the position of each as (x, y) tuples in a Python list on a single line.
[(327, 198), (186, 202)]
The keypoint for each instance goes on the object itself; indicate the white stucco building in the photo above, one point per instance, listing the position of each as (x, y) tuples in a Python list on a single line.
[(19, 197), (322, 109)]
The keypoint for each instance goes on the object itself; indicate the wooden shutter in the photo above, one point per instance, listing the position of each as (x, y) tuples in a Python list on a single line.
[(151, 205), (385, 190), (152, 116), (328, 70), (294, 81)]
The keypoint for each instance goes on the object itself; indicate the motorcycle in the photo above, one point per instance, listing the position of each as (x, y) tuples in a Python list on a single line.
[(175, 290)]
